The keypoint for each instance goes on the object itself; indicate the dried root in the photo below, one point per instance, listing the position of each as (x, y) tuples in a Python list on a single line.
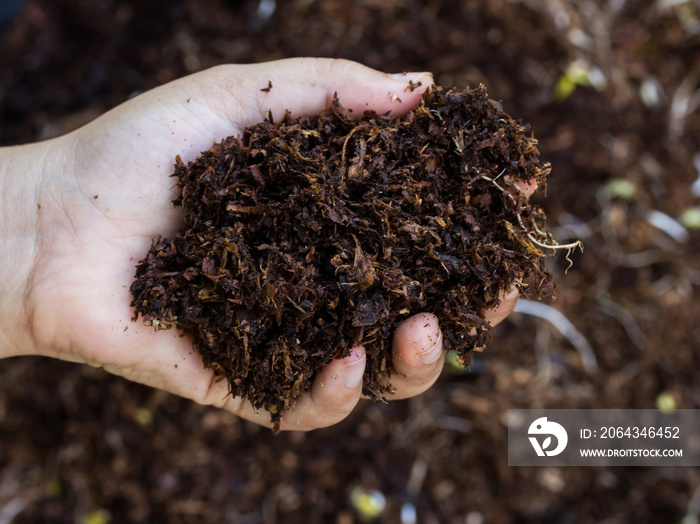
[(553, 244)]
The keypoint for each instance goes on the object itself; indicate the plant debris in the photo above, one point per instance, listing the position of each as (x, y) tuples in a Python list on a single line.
[(307, 237)]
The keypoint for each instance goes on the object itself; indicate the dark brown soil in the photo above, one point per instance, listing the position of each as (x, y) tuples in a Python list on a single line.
[(305, 239), (78, 445)]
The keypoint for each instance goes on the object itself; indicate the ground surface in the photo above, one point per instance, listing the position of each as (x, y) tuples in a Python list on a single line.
[(78, 445)]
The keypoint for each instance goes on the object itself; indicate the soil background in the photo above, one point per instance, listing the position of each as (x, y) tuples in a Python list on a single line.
[(612, 91)]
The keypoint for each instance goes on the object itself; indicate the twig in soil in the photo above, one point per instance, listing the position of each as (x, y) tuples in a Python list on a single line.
[(12, 509), (347, 139), (544, 362), (408, 514), (418, 472), (641, 259), (685, 101), (565, 327), (696, 185), (626, 320), (668, 225)]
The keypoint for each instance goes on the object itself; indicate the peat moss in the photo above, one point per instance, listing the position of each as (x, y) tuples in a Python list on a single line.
[(307, 237)]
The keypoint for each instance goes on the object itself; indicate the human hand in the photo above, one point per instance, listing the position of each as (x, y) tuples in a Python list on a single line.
[(104, 192)]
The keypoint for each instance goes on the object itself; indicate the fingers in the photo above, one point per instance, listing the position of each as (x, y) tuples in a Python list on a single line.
[(527, 188), (418, 348), (418, 355), (334, 394), (306, 86), (504, 308)]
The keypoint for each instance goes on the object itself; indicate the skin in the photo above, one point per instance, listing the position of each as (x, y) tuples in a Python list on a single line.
[(79, 211)]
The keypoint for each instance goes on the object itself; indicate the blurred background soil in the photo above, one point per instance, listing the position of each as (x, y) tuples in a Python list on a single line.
[(612, 90)]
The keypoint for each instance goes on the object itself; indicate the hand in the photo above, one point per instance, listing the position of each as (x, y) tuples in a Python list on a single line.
[(82, 210)]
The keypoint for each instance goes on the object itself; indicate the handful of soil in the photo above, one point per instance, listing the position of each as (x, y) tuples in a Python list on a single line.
[(310, 236)]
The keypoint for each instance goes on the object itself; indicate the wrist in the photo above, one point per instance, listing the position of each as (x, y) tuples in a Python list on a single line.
[(23, 173)]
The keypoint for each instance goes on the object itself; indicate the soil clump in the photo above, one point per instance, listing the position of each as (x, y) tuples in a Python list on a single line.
[(305, 238)]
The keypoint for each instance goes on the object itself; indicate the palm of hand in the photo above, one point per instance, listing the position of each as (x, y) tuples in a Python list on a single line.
[(99, 219)]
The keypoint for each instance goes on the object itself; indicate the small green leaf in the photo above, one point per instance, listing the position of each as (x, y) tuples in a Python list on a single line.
[(368, 504), (665, 402), (455, 367), (143, 416), (563, 88), (690, 218), (97, 516), (575, 75), (620, 188)]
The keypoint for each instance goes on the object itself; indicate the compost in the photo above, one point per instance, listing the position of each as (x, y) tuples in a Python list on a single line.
[(310, 237)]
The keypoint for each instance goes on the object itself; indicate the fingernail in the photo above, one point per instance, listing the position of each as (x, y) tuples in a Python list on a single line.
[(434, 353), (414, 77), (354, 368)]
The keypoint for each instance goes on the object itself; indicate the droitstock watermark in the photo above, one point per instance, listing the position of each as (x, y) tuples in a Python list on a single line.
[(603, 437)]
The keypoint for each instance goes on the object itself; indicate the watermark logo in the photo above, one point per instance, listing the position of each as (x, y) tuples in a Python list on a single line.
[(542, 427), (603, 437)]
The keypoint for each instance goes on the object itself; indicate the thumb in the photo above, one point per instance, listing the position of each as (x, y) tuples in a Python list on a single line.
[(306, 86)]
